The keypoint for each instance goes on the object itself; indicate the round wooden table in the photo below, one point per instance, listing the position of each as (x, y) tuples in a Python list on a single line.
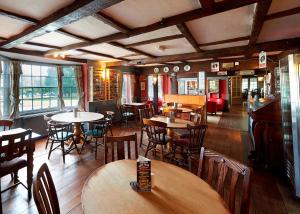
[(184, 110), (82, 117), (178, 124), (176, 190)]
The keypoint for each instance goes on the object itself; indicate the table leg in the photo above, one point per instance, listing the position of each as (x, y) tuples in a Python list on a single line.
[(77, 132)]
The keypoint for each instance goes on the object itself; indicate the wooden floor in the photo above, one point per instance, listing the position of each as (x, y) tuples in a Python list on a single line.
[(229, 136)]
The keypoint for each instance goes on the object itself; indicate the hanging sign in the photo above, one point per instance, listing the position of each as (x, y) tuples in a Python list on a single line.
[(222, 73), (215, 66), (262, 59)]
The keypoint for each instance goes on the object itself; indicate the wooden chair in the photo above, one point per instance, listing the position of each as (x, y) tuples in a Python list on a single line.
[(157, 135), (220, 171), (119, 142), (44, 192), (97, 130), (6, 124), (12, 148), (191, 143), (61, 133), (47, 118), (144, 113), (127, 112)]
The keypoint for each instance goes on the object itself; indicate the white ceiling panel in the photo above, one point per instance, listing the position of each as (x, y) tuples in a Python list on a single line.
[(37, 9), (57, 39), (168, 31), (108, 49), (137, 13), (10, 27), (281, 5), (225, 45), (283, 28), (227, 25), (93, 57), (90, 27), (35, 58), (175, 46), (149, 65), (32, 47)]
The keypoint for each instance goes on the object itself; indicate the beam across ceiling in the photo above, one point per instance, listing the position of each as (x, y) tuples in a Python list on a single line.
[(100, 54), (116, 44), (187, 34), (111, 22), (280, 45), (74, 12), (207, 3), (219, 7), (237, 39), (284, 13)]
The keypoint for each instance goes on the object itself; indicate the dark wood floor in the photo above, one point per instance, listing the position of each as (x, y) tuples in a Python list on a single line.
[(229, 136)]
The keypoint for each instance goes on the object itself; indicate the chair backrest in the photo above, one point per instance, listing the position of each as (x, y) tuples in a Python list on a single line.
[(15, 145), (196, 135), (145, 113), (44, 192), (99, 127), (222, 170), (125, 109), (170, 104), (151, 107), (195, 117), (6, 124), (156, 130), (59, 130), (110, 142)]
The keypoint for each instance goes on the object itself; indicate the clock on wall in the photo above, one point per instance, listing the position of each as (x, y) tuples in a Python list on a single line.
[(187, 67), (156, 70), (166, 69), (176, 68)]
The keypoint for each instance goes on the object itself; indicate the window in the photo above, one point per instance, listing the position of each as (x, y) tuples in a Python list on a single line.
[(150, 87), (4, 90), (213, 86), (245, 84), (70, 94), (127, 89), (38, 88), (253, 83)]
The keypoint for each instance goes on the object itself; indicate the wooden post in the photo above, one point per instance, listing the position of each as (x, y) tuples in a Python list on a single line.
[(155, 93), (174, 85), (138, 87)]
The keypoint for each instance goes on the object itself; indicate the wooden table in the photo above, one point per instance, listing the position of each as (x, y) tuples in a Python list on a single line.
[(82, 117), (136, 107), (178, 124), (176, 190), (184, 110)]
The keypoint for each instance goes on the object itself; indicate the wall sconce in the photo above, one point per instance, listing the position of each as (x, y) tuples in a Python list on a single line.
[(260, 79), (103, 74), (154, 79)]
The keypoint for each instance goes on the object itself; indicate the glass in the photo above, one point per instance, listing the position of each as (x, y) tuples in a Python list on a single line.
[(36, 70), (26, 69)]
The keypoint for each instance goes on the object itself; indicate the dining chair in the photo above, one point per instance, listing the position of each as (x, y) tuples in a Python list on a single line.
[(44, 192), (223, 174), (12, 149), (127, 112), (157, 135), (47, 118), (97, 130), (6, 124), (190, 144), (144, 113), (122, 146), (109, 115), (61, 134)]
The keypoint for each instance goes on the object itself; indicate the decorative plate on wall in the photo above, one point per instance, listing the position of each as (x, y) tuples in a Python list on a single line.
[(156, 70), (176, 68), (166, 69), (187, 67)]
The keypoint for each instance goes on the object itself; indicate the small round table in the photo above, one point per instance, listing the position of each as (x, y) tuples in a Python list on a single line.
[(82, 117), (178, 124), (176, 190), (184, 110)]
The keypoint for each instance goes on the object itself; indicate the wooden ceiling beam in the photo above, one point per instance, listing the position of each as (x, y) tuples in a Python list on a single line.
[(219, 7), (119, 45), (187, 34), (40, 54), (111, 22), (284, 13), (207, 3), (280, 45), (151, 41), (260, 14), (238, 39), (71, 13), (100, 54)]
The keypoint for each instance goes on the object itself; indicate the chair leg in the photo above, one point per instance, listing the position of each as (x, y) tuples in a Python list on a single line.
[(147, 150), (16, 177), (63, 150), (162, 152), (96, 148), (47, 142), (51, 147), (189, 161), (141, 140)]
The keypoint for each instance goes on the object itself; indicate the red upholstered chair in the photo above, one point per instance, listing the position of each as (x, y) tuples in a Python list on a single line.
[(211, 107)]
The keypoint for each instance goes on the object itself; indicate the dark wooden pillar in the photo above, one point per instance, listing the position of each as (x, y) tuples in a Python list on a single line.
[(138, 87), (174, 85), (155, 93)]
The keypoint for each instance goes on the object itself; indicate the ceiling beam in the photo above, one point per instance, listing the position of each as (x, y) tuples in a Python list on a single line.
[(167, 22), (40, 54), (187, 34), (207, 3), (284, 13), (260, 14), (71, 13), (119, 45), (151, 41), (280, 45), (238, 39), (100, 54), (111, 22)]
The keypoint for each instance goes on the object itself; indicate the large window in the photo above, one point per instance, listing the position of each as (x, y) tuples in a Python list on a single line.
[(70, 94), (213, 86), (38, 88), (253, 83), (4, 90), (159, 85), (127, 92)]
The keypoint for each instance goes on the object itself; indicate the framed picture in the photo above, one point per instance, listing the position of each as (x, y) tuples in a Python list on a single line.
[(143, 86)]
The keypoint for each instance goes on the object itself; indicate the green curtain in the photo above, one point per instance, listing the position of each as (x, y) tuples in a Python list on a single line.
[(120, 88), (60, 74), (16, 72), (79, 83)]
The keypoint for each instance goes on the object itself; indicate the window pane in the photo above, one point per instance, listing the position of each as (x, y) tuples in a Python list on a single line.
[(36, 70), (36, 81), (26, 70), (25, 81)]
